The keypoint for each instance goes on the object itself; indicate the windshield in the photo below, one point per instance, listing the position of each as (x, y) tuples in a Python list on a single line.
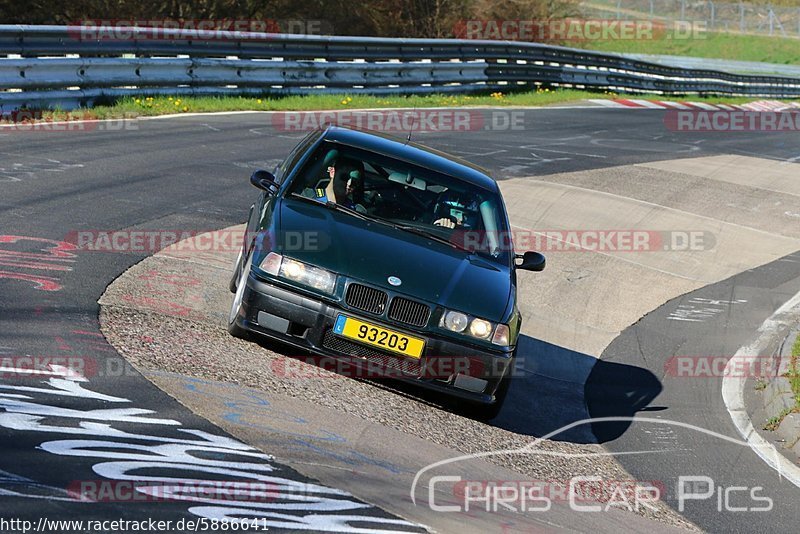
[(406, 195)]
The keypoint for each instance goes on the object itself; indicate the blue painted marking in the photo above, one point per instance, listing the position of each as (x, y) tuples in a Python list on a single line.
[(338, 328), (298, 441)]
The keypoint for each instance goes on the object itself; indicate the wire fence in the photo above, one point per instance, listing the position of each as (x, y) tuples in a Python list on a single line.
[(740, 17)]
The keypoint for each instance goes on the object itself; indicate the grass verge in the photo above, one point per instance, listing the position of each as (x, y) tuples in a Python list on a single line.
[(778, 50), (738, 47), (793, 374), (145, 106)]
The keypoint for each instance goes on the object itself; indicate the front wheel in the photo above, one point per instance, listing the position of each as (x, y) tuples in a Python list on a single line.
[(236, 307), (486, 412), (236, 271)]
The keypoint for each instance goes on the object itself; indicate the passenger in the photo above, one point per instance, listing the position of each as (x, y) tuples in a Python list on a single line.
[(453, 209)]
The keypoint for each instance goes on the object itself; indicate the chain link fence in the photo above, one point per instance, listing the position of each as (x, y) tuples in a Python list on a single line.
[(741, 17)]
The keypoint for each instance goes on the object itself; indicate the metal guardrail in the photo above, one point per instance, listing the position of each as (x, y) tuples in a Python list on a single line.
[(727, 65), (65, 66)]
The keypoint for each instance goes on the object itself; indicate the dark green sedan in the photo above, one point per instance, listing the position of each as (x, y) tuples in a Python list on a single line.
[(389, 257)]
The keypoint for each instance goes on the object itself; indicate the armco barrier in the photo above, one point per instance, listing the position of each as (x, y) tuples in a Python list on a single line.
[(46, 66)]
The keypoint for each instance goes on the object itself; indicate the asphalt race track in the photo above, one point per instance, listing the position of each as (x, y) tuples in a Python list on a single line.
[(59, 430)]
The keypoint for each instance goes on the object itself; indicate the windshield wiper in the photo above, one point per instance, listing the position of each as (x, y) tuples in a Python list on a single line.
[(430, 235), (334, 206), (363, 216)]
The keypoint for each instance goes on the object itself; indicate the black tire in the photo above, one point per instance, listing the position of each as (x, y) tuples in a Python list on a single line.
[(486, 412), (237, 267), (234, 329)]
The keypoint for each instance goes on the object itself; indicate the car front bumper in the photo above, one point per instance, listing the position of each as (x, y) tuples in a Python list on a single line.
[(457, 370)]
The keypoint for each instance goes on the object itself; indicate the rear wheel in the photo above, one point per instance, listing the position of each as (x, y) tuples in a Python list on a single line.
[(236, 307)]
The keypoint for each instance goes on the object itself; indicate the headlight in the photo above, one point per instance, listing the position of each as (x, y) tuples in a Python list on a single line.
[(474, 327), (480, 328), (454, 321), (297, 271), (292, 269)]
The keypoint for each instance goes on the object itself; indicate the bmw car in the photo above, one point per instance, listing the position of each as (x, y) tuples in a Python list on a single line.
[(390, 256)]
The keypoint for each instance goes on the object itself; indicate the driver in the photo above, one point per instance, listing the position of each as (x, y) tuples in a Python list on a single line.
[(345, 184), (336, 178)]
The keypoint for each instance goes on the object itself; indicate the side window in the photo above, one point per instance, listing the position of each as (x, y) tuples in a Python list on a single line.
[(294, 156)]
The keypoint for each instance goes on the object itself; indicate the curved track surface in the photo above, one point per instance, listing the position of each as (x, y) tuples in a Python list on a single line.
[(190, 173)]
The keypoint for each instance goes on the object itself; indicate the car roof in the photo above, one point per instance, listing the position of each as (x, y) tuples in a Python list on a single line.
[(414, 153)]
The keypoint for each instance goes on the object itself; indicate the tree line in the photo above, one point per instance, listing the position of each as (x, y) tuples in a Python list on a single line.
[(387, 18)]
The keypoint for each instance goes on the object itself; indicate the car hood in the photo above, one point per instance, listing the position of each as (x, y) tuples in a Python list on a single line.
[(372, 252)]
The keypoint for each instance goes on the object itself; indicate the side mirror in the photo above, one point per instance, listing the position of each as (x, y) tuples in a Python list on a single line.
[(264, 180), (531, 261)]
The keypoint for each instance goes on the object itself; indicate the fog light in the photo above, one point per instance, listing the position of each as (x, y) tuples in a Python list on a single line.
[(470, 383)]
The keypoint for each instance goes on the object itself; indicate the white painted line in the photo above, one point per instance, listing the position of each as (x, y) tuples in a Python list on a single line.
[(703, 105), (43, 124), (733, 393), (532, 179), (649, 104), (608, 103), (675, 105), (570, 153), (756, 106), (54, 370), (726, 107), (619, 257)]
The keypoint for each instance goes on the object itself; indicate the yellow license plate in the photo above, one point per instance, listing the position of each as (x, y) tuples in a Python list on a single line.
[(377, 336)]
